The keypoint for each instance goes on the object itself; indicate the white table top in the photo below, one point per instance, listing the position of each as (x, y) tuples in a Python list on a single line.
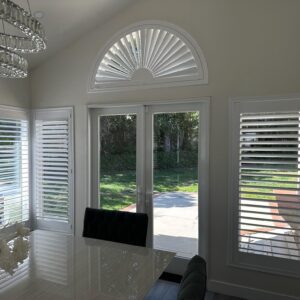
[(66, 267)]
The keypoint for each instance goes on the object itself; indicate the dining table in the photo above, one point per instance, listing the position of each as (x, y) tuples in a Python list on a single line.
[(62, 267)]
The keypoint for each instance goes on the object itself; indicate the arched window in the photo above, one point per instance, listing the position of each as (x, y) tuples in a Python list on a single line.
[(149, 54)]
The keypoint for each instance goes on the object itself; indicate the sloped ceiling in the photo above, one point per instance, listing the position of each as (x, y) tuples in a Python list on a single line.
[(67, 20)]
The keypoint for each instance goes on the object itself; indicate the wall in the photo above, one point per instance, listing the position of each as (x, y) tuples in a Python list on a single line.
[(14, 92), (252, 48)]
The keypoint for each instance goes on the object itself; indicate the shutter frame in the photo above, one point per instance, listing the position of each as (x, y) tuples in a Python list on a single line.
[(237, 106), (53, 158)]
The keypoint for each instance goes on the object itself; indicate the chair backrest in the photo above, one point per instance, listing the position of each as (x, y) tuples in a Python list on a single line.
[(116, 226), (193, 283)]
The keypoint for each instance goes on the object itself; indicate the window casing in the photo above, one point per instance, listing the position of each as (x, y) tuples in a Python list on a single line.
[(264, 184), (53, 169)]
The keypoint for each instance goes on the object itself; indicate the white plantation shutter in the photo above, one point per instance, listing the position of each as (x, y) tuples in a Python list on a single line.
[(53, 159), (150, 54), (14, 184), (267, 183), (159, 51)]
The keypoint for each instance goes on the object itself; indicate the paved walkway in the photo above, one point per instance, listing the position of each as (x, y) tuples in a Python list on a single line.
[(176, 222)]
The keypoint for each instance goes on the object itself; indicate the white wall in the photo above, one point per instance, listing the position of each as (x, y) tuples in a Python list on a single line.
[(14, 92), (252, 48)]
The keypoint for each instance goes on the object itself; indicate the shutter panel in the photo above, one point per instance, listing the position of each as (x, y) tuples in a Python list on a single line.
[(53, 169), (269, 184), (14, 185)]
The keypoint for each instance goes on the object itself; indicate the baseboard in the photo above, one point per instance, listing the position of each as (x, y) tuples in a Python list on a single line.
[(245, 292)]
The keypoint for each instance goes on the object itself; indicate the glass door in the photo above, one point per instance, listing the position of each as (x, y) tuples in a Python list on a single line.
[(117, 176), (175, 182), (154, 159), (176, 177)]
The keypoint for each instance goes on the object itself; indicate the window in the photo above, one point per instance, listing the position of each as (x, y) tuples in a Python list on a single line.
[(14, 185), (53, 169), (266, 166), (149, 54)]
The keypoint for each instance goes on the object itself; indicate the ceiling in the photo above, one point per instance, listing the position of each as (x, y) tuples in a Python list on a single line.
[(66, 20)]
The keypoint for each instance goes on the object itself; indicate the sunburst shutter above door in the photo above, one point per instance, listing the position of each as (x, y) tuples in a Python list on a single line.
[(150, 55)]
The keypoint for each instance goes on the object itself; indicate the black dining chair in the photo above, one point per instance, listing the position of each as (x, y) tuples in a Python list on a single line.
[(116, 226), (192, 285)]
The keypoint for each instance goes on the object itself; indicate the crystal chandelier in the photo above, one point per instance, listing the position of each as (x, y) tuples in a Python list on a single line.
[(12, 65)]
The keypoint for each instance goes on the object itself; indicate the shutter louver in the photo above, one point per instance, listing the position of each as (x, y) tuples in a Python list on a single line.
[(14, 184), (269, 184), (53, 169)]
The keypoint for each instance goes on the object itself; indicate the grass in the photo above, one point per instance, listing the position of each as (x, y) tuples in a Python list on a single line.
[(268, 186), (118, 190)]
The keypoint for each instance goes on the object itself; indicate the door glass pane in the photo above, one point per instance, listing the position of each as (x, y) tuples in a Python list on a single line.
[(117, 186), (175, 186)]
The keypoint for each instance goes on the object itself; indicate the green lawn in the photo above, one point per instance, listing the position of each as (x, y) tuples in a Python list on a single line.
[(118, 190), (266, 184)]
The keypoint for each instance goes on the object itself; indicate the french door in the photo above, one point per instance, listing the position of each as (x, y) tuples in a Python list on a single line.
[(154, 159)]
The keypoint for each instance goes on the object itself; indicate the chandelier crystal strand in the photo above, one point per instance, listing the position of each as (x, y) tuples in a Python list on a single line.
[(12, 65), (34, 40)]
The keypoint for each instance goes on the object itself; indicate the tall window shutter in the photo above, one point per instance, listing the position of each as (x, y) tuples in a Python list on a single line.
[(14, 183), (265, 177), (269, 194), (53, 172)]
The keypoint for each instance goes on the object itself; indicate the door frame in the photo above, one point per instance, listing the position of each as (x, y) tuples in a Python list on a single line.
[(144, 195)]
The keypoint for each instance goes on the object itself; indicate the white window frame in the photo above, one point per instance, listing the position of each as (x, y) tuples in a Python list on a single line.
[(54, 113), (20, 114), (273, 265)]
